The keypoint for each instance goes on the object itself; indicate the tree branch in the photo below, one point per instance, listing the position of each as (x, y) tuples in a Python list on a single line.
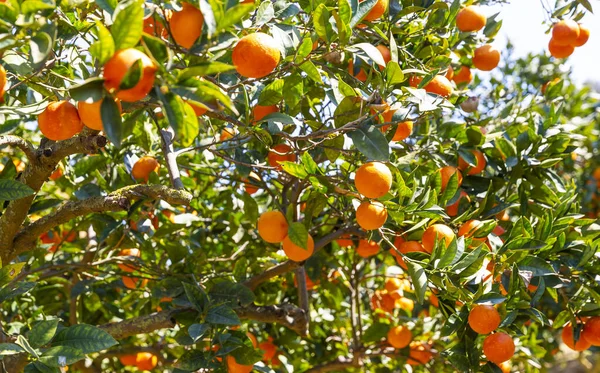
[(339, 364), (167, 136), (20, 143)]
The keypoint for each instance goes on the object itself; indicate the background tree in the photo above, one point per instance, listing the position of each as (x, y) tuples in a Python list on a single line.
[(316, 186)]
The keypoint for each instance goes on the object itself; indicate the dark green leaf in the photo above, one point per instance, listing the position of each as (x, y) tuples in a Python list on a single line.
[(371, 142), (89, 91), (222, 315), (61, 356), (86, 338), (111, 121), (42, 332), (11, 190), (231, 294)]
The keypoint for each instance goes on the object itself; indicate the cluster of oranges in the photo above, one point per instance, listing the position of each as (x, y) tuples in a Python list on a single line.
[(589, 335), (273, 228), (566, 36), (372, 180), (498, 347), (141, 360)]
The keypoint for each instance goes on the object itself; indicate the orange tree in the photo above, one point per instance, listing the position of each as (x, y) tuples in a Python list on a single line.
[(316, 186)]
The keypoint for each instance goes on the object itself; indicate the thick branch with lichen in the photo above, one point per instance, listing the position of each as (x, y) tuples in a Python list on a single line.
[(20, 143), (116, 201)]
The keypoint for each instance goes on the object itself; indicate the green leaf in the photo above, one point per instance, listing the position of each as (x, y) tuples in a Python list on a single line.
[(210, 24), (40, 47), (321, 21), (42, 332), (156, 48), (128, 24), (181, 117), (90, 90), (11, 190), (222, 315), (111, 121), (309, 163), (10, 271), (196, 331), (205, 68), (13, 290), (298, 234), (196, 296), (231, 294), (418, 278), (364, 8), (234, 15), (10, 349), (61, 356), (371, 142), (373, 53), (294, 169), (104, 48), (586, 4), (311, 70), (393, 74), (192, 361), (132, 76), (272, 93), (33, 6), (21, 341), (86, 338)]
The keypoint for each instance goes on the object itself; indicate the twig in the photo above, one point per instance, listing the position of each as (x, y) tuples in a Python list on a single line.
[(20, 143), (167, 135)]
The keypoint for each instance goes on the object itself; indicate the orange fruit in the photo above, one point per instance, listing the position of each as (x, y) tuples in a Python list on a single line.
[(565, 32), (568, 338), (403, 130), (405, 304), (272, 226), (227, 134), (405, 248), (384, 116), (133, 282), (393, 284), (470, 19), (146, 360), (57, 174), (360, 75), (399, 336), (186, 25), (153, 26), (385, 53), (198, 110), (250, 184), (295, 252), (440, 85), (129, 252), (464, 75), (234, 367), (270, 350), (449, 73), (560, 51), (584, 35), (484, 319), (280, 153), (163, 300), (486, 57), (420, 353), (452, 210), (260, 111), (373, 179), (90, 114), (433, 299), (371, 215), (447, 173), (345, 241), (377, 11), (60, 121), (252, 339), (367, 249), (437, 232), (498, 347), (469, 228), (479, 165), (382, 300), (256, 55), (591, 331), (144, 167), (128, 360), (505, 367), (117, 67), (310, 284), (2, 81)]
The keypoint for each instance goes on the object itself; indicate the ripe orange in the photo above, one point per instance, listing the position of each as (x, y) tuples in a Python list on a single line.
[(382, 300), (393, 284), (153, 26), (281, 153), (360, 75), (371, 215), (565, 32), (186, 25), (133, 282), (57, 174), (2, 82), (227, 134), (310, 284), (129, 252), (250, 184), (144, 167), (447, 173), (90, 114), (420, 353), (259, 112), (377, 11), (60, 121), (449, 73), (439, 85), (403, 130), (296, 253), (437, 232), (584, 35), (560, 51), (117, 67), (479, 165), (345, 241), (405, 304), (498, 347), (433, 299), (367, 249), (146, 360), (486, 57), (163, 300), (470, 19), (270, 350), (234, 367), (591, 331), (399, 336), (128, 360), (452, 210), (256, 55), (373, 179), (384, 116), (272, 226), (568, 338), (505, 367), (385, 53), (469, 228), (405, 248), (464, 75), (484, 319), (198, 110)]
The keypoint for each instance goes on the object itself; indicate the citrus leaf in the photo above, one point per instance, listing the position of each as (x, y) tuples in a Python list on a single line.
[(86, 338), (222, 315), (61, 356), (90, 90), (11, 190), (369, 140), (111, 121), (42, 332), (104, 48), (128, 24), (298, 234)]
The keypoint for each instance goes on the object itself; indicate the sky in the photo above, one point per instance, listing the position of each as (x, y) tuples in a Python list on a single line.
[(523, 25)]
